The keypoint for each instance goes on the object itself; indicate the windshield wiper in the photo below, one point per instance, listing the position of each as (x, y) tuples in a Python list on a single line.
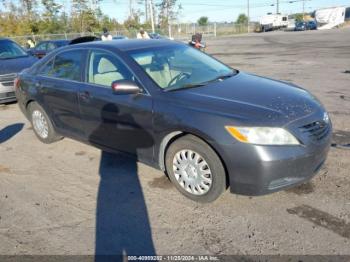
[(220, 77), (184, 87)]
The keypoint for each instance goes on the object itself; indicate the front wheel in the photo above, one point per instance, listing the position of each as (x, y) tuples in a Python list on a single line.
[(195, 169), (42, 124)]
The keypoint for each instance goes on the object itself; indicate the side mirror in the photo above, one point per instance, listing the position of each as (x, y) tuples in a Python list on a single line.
[(125, 87)]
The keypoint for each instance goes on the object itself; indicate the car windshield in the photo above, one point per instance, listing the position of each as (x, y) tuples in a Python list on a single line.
[(9, 50), (178, 67)]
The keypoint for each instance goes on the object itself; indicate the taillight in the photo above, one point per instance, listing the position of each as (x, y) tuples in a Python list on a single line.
[(16, 82)]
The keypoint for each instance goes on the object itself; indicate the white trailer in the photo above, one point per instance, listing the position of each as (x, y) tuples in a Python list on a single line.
[(271, 22), (329, 18)]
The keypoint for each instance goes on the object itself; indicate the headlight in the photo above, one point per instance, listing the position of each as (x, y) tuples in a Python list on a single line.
[(262, 135)]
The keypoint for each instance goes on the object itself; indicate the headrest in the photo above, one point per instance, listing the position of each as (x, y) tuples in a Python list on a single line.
[(144, 60), (158, 63), (105, 66)]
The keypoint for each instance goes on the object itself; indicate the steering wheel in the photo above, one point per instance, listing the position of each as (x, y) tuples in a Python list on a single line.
[(179, 77)]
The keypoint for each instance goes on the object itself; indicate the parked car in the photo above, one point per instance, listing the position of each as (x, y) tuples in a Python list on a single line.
[(45, 47), (119, 37), (311, 25), (177, 109), (84, 39), (300, 26), (13, 59), (157, 36)]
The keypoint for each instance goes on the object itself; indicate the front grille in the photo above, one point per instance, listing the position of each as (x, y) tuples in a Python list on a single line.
[(7, 95), (7, 80), (317, 131)]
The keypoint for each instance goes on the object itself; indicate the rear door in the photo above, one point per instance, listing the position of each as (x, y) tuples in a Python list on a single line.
[(58, 84), (119, 122)]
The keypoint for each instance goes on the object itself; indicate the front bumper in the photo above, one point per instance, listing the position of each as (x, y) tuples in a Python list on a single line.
[(7, 92), (257, 170), (7, 97)]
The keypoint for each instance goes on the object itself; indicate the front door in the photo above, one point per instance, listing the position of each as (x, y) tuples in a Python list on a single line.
[(119, 122)]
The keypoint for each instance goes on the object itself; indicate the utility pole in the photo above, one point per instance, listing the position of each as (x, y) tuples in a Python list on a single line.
[(93, 4), (146, 10), (277, 7), (248, 11), (151, 14), (130, 8), (303, 10)]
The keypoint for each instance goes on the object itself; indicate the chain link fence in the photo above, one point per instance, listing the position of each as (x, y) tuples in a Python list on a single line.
[(176, 31), (185, 31)]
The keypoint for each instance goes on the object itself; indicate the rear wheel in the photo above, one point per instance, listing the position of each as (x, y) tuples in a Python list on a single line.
[(195, 169), (42, 124)]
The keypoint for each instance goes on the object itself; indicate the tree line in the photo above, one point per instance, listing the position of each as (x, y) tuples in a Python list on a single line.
[(26, 17)]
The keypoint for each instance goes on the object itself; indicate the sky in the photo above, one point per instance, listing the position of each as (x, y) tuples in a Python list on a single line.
[(217, 10), (224, 10)]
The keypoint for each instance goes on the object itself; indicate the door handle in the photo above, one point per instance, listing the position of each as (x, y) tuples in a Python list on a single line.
[(85, 95)]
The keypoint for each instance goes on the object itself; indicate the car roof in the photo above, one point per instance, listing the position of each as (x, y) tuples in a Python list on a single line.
[(5, 39), (61, 41), (127, 44), (55, 41)]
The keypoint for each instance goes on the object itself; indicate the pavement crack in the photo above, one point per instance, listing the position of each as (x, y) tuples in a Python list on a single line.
[(322, 219)]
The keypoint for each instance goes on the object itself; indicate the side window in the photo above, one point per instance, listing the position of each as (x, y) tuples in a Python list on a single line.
[(46, 69), (41, 47), (67, 65), (105, 68)]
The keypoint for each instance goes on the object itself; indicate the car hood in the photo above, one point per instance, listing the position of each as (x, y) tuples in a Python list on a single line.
[(16, 65), (249, 99)]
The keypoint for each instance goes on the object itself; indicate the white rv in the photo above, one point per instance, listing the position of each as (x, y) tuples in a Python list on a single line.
[(329, 18), (271, 22)]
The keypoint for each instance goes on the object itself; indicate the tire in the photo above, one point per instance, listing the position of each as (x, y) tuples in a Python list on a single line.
[(190, 164), (46, 133)]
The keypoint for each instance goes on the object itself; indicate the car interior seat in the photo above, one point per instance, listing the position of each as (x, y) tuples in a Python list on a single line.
[(160, 71), (104, 72)]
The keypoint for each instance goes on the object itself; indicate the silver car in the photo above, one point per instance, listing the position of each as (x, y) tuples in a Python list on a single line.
[(13, 59)]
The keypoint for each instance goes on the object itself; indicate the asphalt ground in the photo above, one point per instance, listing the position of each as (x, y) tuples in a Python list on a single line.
[(69, 198)]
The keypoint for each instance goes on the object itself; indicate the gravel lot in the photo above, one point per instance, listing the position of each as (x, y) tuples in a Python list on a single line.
[(69, 198)]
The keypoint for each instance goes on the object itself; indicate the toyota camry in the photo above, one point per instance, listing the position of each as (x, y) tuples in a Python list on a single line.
[(207, 126)]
